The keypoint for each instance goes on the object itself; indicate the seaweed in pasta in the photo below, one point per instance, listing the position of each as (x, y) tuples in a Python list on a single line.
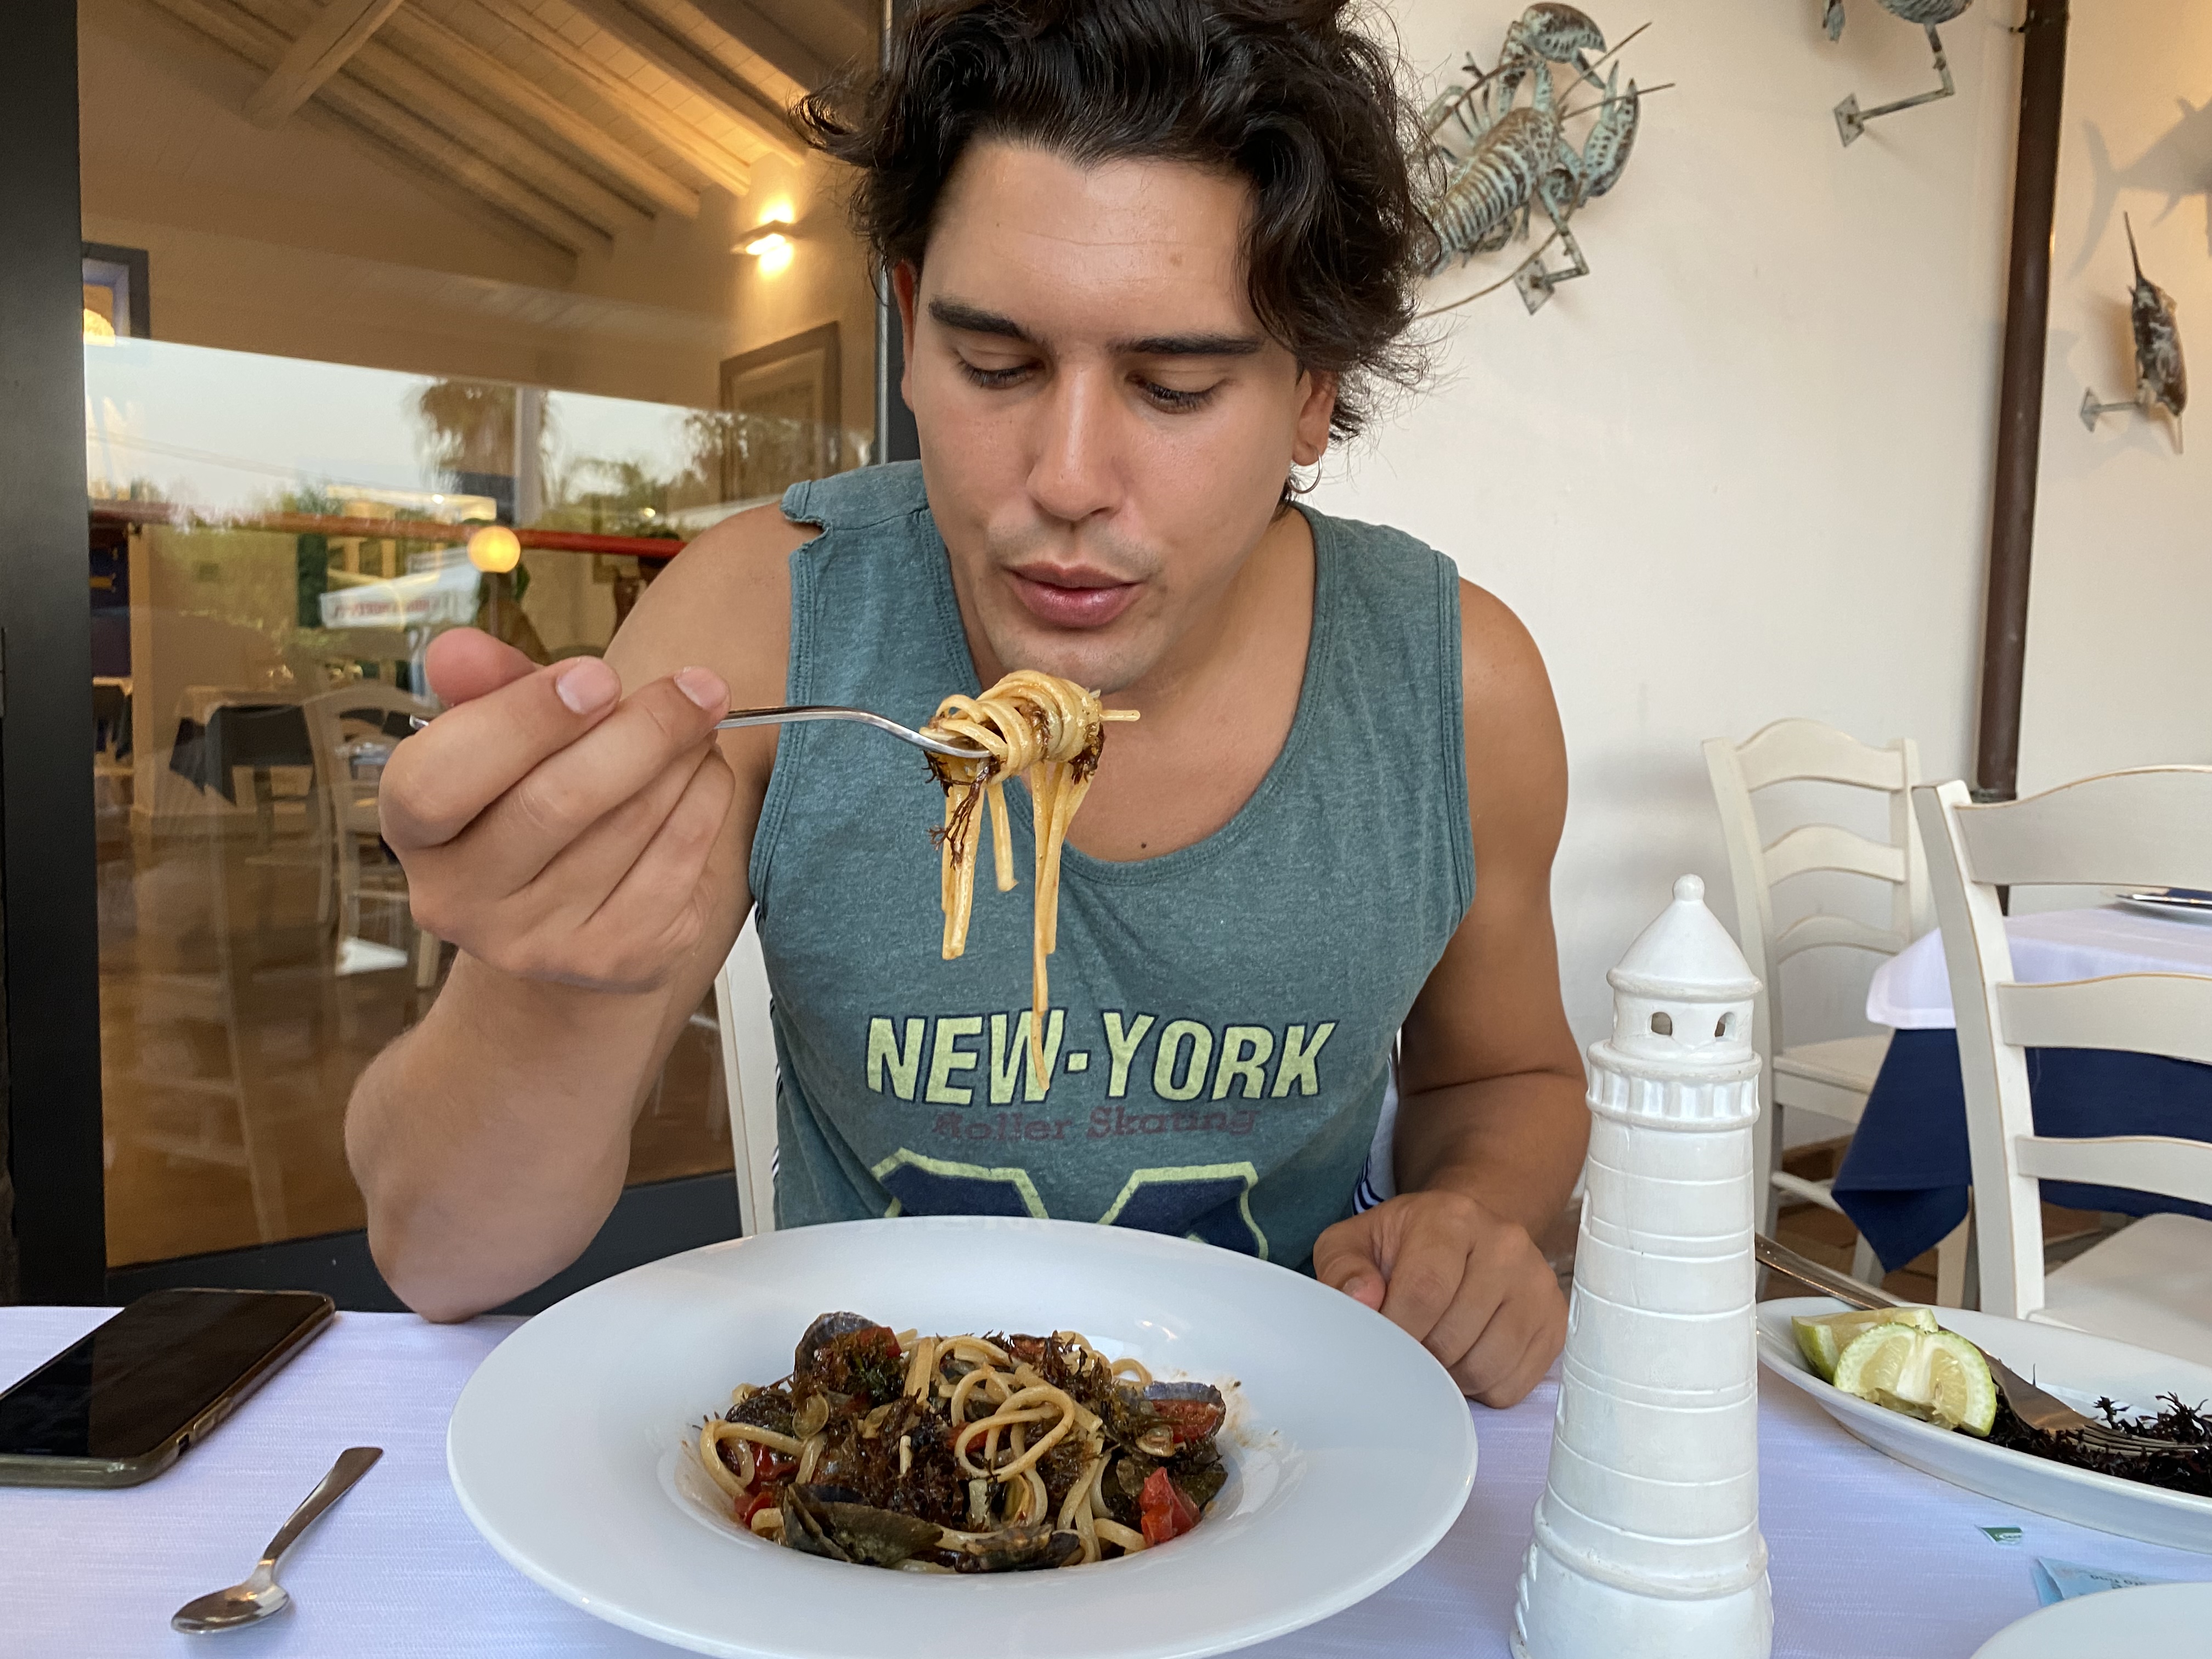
[(964, 1454)]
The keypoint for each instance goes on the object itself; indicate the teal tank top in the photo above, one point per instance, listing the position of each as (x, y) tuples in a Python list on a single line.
[(1223, 1016)]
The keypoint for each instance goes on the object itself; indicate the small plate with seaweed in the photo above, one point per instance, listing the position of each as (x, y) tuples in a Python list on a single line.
[(2168, 1500)]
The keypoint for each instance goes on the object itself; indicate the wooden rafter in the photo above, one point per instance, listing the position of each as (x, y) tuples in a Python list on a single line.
[(746, 44), (263, 46), (695, 73), (699, 150), (331, 38), (530, 103), (462, 117)]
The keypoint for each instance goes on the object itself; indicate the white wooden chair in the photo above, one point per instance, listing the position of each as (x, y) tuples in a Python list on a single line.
[(2151, 1283), (1832, 1078), (348, 807), (748, 1077)]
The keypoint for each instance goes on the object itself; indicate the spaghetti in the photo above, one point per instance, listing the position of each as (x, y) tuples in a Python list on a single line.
[(1048, 732), (964, 1454)]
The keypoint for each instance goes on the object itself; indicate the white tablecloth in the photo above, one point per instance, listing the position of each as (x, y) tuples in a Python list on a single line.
[(1911, 992), (1870, 1559)]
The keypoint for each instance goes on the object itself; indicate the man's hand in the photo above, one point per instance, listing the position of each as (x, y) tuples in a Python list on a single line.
[(551, 828), (1471, 1286)]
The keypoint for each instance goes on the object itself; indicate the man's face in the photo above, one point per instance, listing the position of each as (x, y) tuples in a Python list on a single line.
[(1105, 427)]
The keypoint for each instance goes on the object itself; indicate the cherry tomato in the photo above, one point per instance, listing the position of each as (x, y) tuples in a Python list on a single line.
[(1167, 1512)]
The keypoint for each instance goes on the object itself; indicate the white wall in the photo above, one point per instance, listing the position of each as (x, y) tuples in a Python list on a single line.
[(2119, 643), (1742, 470)]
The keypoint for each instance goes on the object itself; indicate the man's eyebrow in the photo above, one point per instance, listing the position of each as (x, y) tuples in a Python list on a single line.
[(973, 320), (1189, 345)]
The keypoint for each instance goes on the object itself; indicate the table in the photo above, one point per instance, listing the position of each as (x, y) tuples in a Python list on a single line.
[(1903, 1182), (396, 1570)]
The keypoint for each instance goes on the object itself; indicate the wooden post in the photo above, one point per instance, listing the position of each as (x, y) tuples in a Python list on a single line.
[(2020, 402)]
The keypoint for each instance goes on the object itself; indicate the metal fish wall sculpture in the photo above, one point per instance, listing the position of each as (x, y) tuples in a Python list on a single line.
[(2161, 377), (1850, 120)]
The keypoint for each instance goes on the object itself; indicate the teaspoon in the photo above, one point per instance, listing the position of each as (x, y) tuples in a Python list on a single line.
[(261, 1594)]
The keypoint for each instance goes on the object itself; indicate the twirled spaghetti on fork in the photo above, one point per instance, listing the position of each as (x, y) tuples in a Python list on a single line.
[(1048, 731)]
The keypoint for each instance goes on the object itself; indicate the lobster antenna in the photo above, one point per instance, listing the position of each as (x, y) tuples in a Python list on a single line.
[(1617, 47), (1469, 298), (1641, 92)]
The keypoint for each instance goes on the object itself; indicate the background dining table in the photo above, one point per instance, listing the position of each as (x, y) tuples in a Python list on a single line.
[(1870, 1559), (1904, 1179)]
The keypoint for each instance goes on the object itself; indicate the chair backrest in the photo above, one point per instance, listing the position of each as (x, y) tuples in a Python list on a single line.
[(2140, 829), (326, 713), (1803, 750), (748, 1077)]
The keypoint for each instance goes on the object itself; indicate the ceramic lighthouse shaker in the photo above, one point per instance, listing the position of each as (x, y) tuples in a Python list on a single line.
[(1647, 1535)]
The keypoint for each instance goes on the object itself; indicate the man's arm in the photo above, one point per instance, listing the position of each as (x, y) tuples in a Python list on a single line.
[(1491, 1126), (590, 863)]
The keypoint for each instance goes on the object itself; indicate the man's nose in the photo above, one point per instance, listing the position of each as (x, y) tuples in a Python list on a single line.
[(1077, 469)]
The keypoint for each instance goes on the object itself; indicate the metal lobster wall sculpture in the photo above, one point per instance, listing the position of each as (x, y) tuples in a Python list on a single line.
[(2161, 378), (1850, 120), (1506, 160)]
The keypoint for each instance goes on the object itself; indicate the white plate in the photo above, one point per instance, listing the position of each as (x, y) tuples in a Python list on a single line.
[(2076, 1366), (2149, 1619), (1351, 1449)]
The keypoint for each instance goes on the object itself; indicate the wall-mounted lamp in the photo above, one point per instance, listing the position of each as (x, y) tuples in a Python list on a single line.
[(495, 549), (770, 242)]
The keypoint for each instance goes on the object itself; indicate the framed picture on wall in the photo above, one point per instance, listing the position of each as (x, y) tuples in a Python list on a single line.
[(116, 302), (783, 422)]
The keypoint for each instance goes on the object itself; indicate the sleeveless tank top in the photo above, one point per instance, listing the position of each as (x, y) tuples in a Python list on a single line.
[(1223, 1016)]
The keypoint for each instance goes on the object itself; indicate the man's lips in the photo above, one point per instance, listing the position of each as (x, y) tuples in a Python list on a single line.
[(1072, 595)]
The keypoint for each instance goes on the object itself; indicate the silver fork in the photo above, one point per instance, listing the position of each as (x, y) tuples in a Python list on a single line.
[(2032, 1406), (819, 711)]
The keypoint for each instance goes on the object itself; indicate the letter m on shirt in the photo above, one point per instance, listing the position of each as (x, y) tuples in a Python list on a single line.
[(902, 1060)]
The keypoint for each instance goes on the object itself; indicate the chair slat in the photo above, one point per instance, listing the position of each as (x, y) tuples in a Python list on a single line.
[(2149, 1013), (2144, 1164), (1791, 750), (1813, 932), (1831, 847), (2147, 828)]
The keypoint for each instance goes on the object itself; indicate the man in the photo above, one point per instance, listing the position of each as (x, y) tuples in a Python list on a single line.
[(1148, 255)]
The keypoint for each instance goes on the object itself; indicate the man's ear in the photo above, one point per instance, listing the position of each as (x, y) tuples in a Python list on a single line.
[(1309, 440), (905, 278)]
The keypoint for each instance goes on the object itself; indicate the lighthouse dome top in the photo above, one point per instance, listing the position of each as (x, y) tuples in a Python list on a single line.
[(1686, 954)]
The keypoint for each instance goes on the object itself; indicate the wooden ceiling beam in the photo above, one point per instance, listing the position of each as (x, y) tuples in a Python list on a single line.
[(707, 80), (337, 31), (529, 103), (410, 86), (380, 119), (750, 33), (699, 151), (463, 116)]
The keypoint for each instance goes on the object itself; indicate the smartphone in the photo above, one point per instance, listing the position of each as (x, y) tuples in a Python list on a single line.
[(123, 1404)]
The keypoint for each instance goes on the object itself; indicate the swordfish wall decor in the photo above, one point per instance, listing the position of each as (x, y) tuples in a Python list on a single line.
[(2161, 377), (1505, 160), (1850, 120)]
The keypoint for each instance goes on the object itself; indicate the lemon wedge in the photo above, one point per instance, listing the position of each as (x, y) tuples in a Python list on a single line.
[(1935, 1375), (1823, 1337)]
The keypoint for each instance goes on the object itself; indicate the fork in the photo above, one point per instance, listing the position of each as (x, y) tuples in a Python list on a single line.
[(787, 715), (2032, 1406)]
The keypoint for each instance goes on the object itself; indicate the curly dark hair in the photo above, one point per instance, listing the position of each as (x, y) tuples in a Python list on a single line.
[(1292, 95)]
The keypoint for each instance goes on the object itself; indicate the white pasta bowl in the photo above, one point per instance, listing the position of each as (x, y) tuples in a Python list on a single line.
[(1350, 1450)]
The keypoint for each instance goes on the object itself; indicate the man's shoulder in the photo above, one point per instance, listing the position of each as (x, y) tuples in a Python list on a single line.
[(723, 603), (864, 496)]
